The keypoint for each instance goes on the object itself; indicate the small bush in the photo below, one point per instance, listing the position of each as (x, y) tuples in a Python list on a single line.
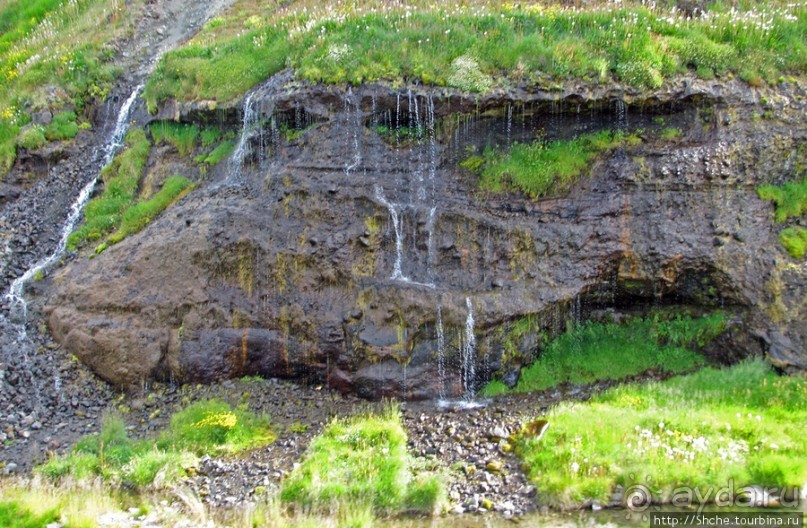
[(466, 75), (32, 138)]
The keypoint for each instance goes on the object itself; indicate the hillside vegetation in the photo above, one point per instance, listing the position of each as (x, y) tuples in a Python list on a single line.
[(476, 45), (55, 55)]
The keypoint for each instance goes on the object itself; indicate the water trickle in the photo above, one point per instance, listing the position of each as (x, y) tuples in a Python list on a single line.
[(509, 124), (621, 115), (397, 273), (430, 224), (243, 149), (353, 113), (441, 354), (15, 295), (469, 354)]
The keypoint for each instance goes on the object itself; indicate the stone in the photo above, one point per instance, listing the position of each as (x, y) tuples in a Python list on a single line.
[(252, 296)]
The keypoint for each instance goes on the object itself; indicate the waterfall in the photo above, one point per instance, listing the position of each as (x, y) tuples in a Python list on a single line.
[(18, 306), (16, 292), (469, 354), (248, 126), (352, 107), (441, 353), (430, 243), (397, 274)]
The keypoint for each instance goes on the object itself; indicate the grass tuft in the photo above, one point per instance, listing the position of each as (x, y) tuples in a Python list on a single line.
[(121, 178), (790, 198), (362, 462), (207, 427), (794, 239), (544, 168), (138, 216)]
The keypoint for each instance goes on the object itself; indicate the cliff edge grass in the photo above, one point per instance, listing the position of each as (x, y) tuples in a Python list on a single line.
[(476, 46)]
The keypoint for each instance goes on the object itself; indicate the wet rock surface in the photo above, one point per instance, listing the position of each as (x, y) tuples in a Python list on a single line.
[(341, 253)]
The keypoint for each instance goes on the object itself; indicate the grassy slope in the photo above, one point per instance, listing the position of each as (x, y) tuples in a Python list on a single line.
[(54, 54), (472, 45), (736, 426)]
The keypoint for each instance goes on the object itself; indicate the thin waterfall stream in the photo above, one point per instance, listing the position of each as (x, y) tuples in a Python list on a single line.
[(18, 306)]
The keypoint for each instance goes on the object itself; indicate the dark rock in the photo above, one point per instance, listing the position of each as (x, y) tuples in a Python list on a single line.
[(250, 288)]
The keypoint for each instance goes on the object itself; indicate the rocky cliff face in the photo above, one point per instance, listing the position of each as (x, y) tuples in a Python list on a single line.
[(348, 246)]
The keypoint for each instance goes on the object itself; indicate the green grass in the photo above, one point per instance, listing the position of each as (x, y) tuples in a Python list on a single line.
[(12, 515), (182, 136), (221, 152), (794, 239), (790, 198), (32, 138), (138, 216), (736, 426), (543, 168), (63, 126), (121, 179), (55, 54), (791, 202), (477, 45), (362, 462), (207, 427), (592, 351)]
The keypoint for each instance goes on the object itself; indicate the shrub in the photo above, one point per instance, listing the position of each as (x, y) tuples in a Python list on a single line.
[(466, 75)]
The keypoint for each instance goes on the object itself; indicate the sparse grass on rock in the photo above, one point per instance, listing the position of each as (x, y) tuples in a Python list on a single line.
[(543, 168)]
